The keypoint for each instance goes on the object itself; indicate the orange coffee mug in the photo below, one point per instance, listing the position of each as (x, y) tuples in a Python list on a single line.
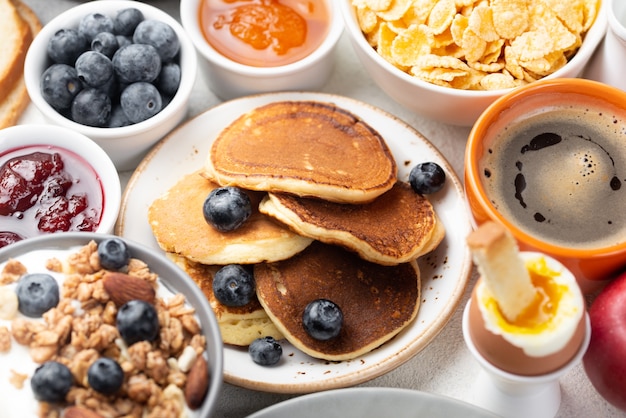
[(548, 161)]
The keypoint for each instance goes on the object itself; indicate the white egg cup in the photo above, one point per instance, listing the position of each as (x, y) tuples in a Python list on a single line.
[(514, 396)]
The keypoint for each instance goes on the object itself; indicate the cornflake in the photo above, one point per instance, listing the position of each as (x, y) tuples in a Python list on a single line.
[(476, 44)]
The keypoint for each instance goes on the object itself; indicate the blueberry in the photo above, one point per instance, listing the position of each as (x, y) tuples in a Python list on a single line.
[(113, 253), (165, 99), (140, 101), (137, 321), (91, 107), (36, 294), (105, 375), (136, 62), (233, 285), (60, 85), (227, 208), (265, 351), (94, 23), (169, 79), (66, 45), (118, 118), (322, 319), (127, 20), (123, 40), (51, 382), (112, 89), (427, 178), (160, 35), (94, 68), (106, 43)]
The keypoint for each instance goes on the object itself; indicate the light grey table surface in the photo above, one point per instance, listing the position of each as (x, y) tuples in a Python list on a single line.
[(445, 366)]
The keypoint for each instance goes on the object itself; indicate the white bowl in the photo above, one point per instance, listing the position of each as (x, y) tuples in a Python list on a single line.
[(448, 105), (229, 79), (372, 402), (21, 136), (171, 277), (125, 145)]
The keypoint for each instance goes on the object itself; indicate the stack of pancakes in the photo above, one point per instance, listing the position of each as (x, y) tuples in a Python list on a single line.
[(330, 220)]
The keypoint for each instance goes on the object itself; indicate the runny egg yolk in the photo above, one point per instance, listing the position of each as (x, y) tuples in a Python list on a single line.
[(537, 317)]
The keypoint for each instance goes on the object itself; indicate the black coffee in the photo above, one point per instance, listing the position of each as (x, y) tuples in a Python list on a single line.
[(561, 175)]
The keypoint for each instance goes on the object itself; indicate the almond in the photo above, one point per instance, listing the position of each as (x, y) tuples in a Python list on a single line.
[(123, 288), (197, 383), (80, 412)]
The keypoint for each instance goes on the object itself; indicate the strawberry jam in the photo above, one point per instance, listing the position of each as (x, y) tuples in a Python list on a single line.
[(46, 189)]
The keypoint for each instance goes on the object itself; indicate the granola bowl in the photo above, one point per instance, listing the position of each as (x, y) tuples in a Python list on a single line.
[(180, 362)]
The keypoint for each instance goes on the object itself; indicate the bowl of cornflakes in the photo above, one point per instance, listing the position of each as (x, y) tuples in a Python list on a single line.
[(448, 60)]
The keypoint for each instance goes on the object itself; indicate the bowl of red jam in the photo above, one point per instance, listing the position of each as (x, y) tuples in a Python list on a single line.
[(54, 180), (258, 46)]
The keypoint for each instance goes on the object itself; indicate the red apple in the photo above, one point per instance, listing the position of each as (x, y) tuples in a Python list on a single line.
[(605, 359)]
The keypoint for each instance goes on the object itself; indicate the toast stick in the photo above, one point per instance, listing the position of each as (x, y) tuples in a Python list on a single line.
[(497, 258)]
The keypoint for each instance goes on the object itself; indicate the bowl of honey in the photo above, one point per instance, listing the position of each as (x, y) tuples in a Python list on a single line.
[(258, 46)]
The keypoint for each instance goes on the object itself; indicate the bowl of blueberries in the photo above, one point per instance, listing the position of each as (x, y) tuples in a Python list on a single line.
[(119, 72)]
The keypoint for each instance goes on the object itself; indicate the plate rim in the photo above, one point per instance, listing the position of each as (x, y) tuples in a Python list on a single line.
[(349, 394), (406, 352)]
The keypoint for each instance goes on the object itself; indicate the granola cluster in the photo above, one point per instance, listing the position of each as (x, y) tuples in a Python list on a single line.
[(81, 329)]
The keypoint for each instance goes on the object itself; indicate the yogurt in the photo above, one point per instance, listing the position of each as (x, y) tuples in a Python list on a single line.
[(18, 402)]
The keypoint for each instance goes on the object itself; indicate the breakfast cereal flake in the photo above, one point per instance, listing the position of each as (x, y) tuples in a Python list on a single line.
[(512, 42)]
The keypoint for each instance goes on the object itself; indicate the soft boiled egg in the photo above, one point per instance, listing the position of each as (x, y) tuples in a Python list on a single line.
[(545, 336)]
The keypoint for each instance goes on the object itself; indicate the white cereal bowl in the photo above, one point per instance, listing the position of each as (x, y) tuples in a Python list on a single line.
[(229, 79), (22, 136), (34, 253), (443, 104), (125, 145)]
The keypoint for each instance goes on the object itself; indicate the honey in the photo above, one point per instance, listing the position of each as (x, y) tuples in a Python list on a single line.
[(264, 33)]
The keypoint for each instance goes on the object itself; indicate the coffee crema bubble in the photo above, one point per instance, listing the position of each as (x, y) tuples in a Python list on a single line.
[(558, 176)]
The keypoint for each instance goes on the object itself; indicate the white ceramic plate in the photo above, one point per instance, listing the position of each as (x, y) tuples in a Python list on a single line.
[(372, 403), (445, 272)]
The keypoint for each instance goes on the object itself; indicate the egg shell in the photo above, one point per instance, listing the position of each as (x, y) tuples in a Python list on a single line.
[(502, 354)]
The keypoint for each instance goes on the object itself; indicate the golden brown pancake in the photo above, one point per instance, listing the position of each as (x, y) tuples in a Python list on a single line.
[(239, 325), (377, 301), (179, 227), (303, 147), (397, 227)]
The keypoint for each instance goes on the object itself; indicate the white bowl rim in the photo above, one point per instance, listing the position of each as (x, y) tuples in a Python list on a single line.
[(188, 64), (591, 40), (189, 19), (92, 153)]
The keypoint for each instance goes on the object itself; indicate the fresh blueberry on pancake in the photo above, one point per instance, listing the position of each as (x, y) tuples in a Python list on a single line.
[(233, 285), (227, 208)]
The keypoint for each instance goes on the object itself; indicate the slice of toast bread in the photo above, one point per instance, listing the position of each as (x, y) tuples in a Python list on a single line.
[(15, 98), (497, 258), (16, 38)]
